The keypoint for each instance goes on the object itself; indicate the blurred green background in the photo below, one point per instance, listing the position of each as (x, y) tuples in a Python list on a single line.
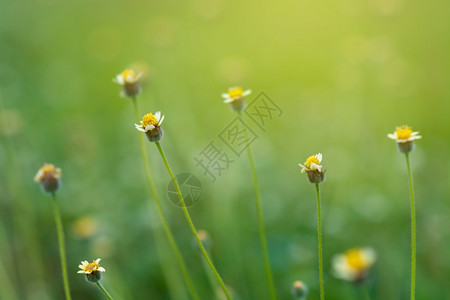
[(345, 73)]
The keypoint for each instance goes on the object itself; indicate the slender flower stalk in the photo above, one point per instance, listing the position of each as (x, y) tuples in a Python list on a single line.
[(366, 292), (62, 247), (235, 97), (319, 240), (176, 251), (262, 233), (314, 170), (102, 288), (191, 224), (413, 230), (206, 241), (405, 137), (50, 179)]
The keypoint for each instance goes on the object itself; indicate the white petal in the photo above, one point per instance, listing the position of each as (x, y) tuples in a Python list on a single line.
[(224, 95), (160, 121), (38, 175), (319, 157), (341, 269), (130, 79), (80, 272), (149, 127), (315, 167), (101, 269), (119, 79), (369, 256), (157, 115), (392, 136), (228, 100), (246, 93), (98, 260), (416, 137)]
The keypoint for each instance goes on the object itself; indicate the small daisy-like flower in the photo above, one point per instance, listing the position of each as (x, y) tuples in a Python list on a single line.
[(299, 290), (151, 126), (405, 137), (92, 270), (313, 168), (354, 265), (130, 82), (49, 177), (235, 97)]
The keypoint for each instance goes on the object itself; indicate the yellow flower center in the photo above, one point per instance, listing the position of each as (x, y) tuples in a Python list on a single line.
[(355, 259), (403, 132), (93, 266), (127, 73), (48, 168), (235, 92), (149, 119), (310, 160)]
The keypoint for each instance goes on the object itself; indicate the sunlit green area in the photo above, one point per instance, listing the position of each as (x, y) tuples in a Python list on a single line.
[(344, 73)]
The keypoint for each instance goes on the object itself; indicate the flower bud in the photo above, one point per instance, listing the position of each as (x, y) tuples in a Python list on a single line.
[(49, 177), (299, 290), (406, 147), (155, 135), (316, 176), (238, 105), (94, 276)]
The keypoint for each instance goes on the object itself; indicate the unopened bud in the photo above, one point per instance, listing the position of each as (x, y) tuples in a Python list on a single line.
[(299, 290)]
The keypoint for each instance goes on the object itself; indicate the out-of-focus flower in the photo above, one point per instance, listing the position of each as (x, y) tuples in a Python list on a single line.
[(151, 126), (205, 239), (235, 97), (92, 270), (299, 290), (130, 82), (313, 168), (49, 177), (405, 137), (85, 226), (11, 122), (354, 265)]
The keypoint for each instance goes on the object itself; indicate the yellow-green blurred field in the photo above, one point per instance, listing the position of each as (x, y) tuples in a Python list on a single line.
[(345, 73)]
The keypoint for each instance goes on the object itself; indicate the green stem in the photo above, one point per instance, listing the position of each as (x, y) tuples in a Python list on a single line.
[(191, 225), (211, 278), (62, 248), (164, 222), (366, 292), (7, 291), (262, 233), (319, 241), (102, 288), (413, 230)]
